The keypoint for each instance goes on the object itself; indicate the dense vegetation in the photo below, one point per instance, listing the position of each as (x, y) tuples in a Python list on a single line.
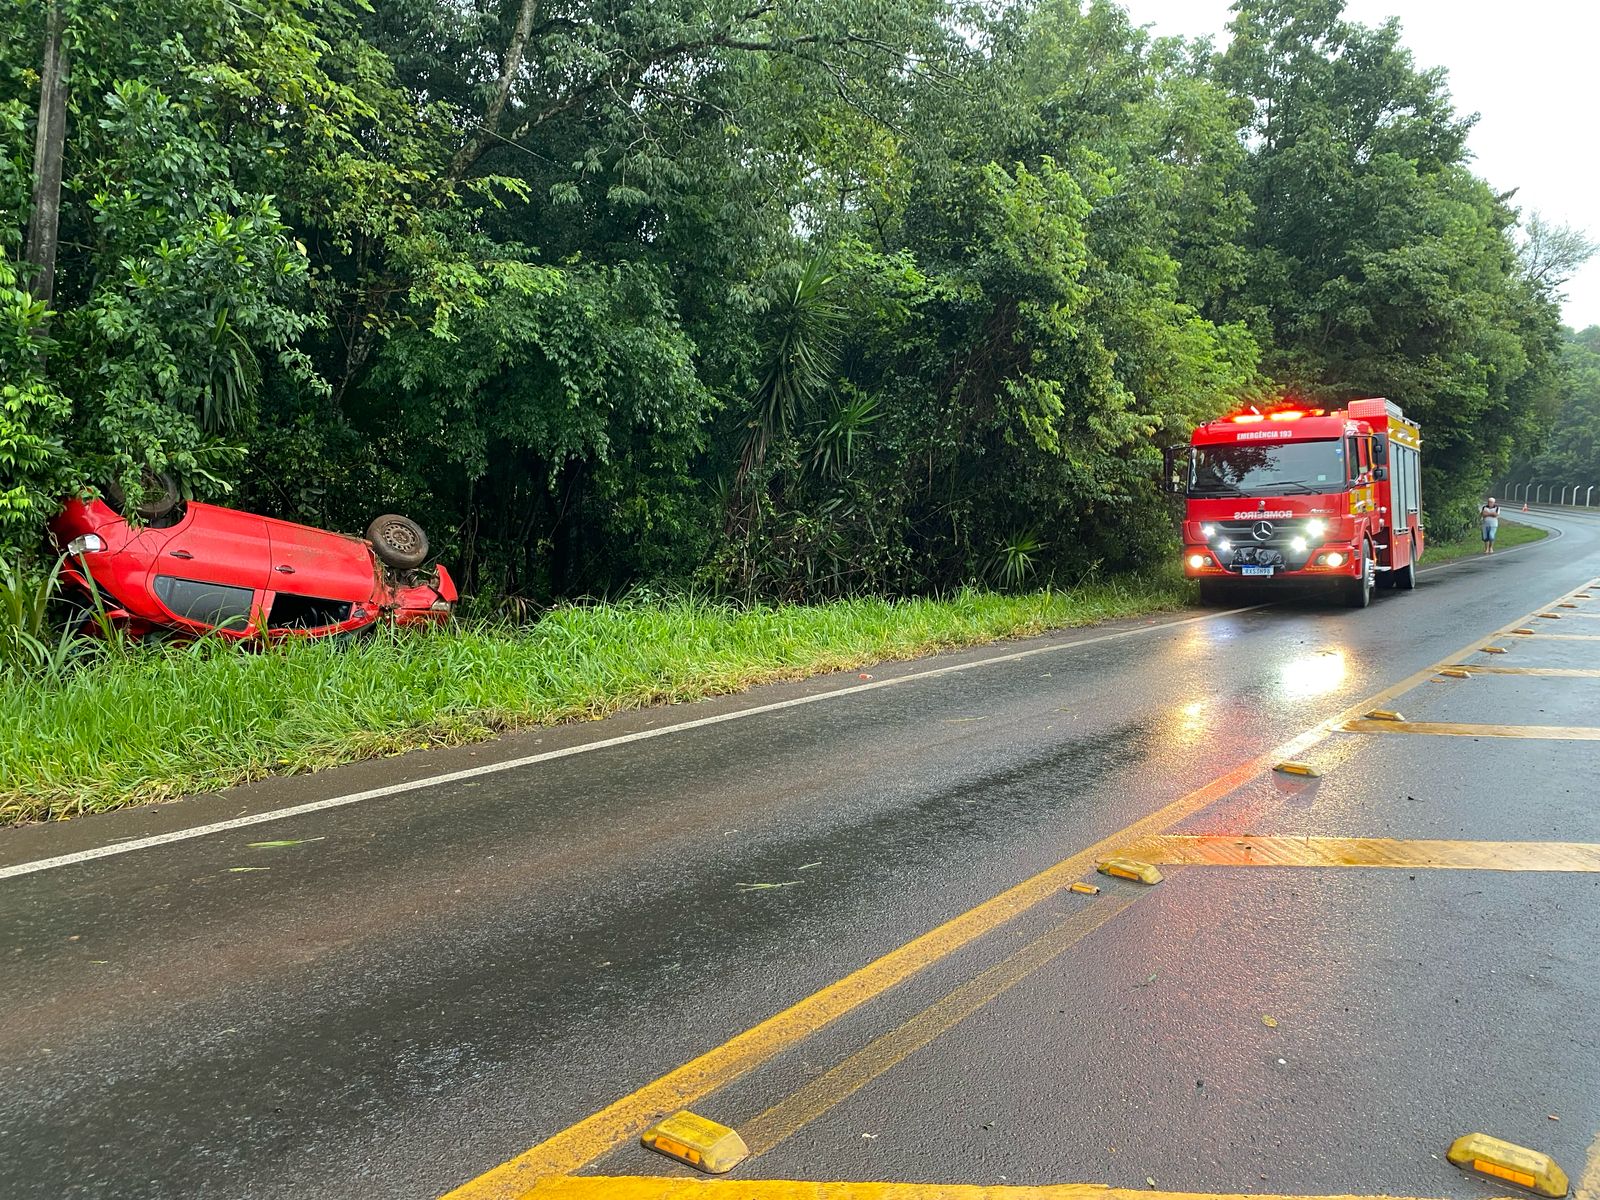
[(1571, 454), (788, 298)]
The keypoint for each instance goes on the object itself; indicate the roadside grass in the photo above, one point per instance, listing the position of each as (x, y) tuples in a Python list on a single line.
[(164, 723), (1512, 533)]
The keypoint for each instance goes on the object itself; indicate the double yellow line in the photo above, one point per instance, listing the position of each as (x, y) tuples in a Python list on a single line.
[(544, 1165)]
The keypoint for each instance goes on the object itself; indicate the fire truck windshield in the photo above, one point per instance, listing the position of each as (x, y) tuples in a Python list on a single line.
[(1258, 470)]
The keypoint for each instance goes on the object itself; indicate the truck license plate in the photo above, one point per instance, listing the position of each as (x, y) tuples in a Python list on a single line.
[(1257, 570)]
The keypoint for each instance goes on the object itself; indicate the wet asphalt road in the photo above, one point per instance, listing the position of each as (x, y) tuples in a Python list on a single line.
[(433, 981)]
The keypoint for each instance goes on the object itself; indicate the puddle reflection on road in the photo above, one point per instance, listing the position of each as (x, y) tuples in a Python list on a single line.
[(1313, 675)]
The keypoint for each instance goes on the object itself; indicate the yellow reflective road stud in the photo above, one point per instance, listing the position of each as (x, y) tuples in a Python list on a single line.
[(1384, 714), (1127, 868), (1490, 1156), (695, 1140), (1298, 768)]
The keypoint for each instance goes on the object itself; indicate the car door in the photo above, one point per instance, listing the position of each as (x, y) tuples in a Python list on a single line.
[(317, 578), (212, 569)]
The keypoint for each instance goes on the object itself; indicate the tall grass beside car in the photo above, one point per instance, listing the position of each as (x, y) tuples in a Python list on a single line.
[(29, 646), (34, 643), (164, 723)]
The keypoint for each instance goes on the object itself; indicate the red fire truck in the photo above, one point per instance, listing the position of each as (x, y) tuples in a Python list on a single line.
[(1290, 494)]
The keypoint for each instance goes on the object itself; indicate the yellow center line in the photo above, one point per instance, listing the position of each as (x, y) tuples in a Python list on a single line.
[(624, 1119), (1247, 851), (1557, 672), (584, 1141), (1569, 733), (644, 1187), (791, 1114)]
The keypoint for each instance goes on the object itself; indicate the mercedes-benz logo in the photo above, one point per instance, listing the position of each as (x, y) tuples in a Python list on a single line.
[(1261, 530)]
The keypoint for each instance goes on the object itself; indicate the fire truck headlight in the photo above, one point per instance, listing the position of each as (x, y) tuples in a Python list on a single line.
[(1224, 544), (1208, 531), (1336, 560), (1197, 561), (1316, 528), (1298, 545)]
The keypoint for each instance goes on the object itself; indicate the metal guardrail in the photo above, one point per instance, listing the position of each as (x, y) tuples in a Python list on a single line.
[(1561, 495)]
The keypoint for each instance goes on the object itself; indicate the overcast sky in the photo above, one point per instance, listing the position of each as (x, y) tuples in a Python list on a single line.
[(1529, 69)]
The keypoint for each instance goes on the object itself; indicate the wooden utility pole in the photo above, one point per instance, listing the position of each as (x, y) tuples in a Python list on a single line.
[(45, 222)]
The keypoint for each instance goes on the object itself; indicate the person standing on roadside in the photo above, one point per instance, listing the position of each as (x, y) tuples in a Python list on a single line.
[(1489, 514)]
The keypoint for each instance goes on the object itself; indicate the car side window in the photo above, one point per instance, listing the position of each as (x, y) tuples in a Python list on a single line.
[(306, 612), (205, 603)]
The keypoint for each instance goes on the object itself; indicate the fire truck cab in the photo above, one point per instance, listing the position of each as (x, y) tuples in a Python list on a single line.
[(1291, 494)]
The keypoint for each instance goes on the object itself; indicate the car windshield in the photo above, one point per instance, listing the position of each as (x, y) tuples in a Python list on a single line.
[(1265, 469)]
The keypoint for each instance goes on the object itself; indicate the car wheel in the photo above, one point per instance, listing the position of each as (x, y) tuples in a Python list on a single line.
[(160, 495), (399, 541)]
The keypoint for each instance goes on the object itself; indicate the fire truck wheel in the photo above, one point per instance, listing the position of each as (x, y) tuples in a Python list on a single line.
[(1360, 588), (1405, 579)]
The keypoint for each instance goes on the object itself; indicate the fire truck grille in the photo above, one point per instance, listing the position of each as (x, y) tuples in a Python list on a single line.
[(1245, 533), (1263, 543)]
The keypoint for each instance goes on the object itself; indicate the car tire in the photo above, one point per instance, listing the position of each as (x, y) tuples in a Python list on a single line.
[(160, 496), (398, 541)]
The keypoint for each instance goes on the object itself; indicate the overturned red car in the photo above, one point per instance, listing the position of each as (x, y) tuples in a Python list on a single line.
[(189, 569)]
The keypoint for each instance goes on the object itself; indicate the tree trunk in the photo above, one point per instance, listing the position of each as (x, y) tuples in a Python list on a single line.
[(509, 66), (45, 221)]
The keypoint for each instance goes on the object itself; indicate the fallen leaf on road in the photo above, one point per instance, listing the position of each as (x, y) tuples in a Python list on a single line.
[(1270, 1022), (756, 887), (1147, 982), (1150, 1181), (284, 842), (236, 870), (808, 866)]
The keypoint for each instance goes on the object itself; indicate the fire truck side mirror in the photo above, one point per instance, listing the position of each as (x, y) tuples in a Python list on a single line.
[(1171, 456), (1380, 450), (1380, 473)]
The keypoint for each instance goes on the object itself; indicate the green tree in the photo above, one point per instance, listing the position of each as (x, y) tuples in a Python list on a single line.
[(1379, 265), (1570, 451)]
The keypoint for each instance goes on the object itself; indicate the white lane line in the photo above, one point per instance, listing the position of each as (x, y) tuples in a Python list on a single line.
[(396, 789)]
